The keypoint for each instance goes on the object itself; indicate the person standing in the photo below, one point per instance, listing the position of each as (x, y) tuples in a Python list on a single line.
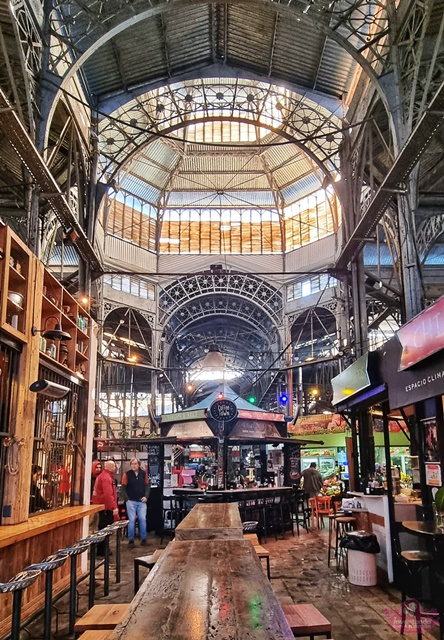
[(135, 489), (105, 493), (312, 481)]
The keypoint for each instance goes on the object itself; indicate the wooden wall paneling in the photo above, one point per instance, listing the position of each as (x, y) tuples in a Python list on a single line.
[(17, 487), (30, 551)]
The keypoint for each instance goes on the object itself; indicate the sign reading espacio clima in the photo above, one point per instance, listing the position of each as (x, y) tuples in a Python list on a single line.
[(410, 385), (422, 336)]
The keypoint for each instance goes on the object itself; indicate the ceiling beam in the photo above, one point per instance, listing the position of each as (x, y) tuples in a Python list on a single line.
[(20, 140), (408, 157)]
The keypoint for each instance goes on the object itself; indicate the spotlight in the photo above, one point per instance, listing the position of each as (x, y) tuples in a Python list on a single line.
[(251, 399), (48, 388), (283, 398)]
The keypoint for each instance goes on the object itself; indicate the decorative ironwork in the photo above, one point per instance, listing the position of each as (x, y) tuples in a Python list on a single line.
[(291, 115), (258, 292)]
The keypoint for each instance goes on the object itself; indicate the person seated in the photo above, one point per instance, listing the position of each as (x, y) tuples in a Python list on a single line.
[(36, 500)]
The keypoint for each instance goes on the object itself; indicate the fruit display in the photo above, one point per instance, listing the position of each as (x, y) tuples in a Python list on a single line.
[(332, 487)]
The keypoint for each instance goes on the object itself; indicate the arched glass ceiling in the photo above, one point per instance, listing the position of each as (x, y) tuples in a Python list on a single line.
[(221, 166), (173, 109)]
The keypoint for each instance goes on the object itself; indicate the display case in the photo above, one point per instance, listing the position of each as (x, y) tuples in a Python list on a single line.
[(61, 308), (16, 275)]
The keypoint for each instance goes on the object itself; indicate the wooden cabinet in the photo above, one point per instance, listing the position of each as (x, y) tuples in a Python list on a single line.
[(16, 282), (61, 308)]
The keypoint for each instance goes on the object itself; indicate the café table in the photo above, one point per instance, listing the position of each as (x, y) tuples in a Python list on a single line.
[(424, 528), (206, 590)]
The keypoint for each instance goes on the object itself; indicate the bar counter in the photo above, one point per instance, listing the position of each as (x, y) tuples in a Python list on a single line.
[(44, 522), (206, 590), (233, 495), (30, 542)]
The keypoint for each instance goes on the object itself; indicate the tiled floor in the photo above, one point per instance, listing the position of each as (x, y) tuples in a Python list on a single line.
[(299, 574)]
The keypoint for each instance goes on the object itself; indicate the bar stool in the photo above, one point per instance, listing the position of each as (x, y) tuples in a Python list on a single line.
[(48, 565), (344, 524), (16, 585), (168, 513), (301, 510), (118, 527), (73, 551), (96, 538)]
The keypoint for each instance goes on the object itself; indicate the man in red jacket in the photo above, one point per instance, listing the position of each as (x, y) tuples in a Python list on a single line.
[(105, 493)]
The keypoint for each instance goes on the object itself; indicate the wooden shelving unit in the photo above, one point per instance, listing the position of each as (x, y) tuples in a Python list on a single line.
[(18, 306), (15, 282), (59, 307)]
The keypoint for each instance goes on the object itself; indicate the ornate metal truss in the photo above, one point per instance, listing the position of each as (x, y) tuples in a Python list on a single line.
[(177, 106), (216, 305), (248, 294)]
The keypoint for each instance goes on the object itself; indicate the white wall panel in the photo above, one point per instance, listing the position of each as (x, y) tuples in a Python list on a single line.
[(189, 264), (313, 256), (129, 256)]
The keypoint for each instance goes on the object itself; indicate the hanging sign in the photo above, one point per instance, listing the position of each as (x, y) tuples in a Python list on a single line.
[(422, 336)]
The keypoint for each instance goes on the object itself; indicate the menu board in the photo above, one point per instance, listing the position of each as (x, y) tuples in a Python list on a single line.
[(154, 464)]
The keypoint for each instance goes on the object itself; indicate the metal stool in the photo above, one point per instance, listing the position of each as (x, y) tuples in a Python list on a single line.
[(93, 540), (73, 551), (48, 565), (118, 527), (16, 585)]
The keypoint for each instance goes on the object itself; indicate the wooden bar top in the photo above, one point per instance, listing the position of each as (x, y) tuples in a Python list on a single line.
[(206, 590), (12, 533), (212, 521)]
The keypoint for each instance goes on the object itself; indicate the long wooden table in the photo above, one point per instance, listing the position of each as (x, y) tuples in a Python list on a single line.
[(211, 522), (206, 590)]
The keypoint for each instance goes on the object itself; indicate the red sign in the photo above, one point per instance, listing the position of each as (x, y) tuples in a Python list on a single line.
[(318, 424), (422, 336)]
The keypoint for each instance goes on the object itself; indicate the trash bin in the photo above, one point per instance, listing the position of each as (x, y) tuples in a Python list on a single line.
[(362, 548)]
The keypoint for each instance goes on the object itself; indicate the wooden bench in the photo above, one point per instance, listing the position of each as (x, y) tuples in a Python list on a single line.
[(96, 635), (306, 620), (102, 617), (252, 537), (263, 553), (144, 561)]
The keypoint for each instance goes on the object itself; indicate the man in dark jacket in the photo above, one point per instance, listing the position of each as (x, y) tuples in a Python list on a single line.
[(136, 488), (312, 481)]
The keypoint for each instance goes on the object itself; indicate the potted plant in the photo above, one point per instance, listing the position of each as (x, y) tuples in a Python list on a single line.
[(439, 505)]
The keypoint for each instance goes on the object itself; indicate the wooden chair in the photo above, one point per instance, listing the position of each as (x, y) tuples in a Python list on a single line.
[(306, 620), (102, 617), (323, 508)]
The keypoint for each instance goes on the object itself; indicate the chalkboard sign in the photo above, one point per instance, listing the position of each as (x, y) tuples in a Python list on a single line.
[(154, 464), (292, 464)]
